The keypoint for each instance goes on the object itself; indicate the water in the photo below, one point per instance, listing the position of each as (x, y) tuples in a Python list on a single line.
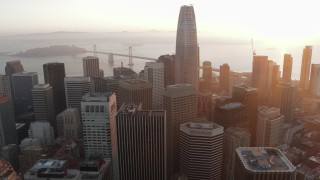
[(236, 52)]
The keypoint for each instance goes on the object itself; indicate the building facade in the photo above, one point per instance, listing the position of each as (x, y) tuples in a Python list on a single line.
[(8, 133), (54, 74), (69, 124), (169, 68), (140, 152), (180, 103), (97, 110), (11, 68), (43, 131), (224, 78), (201, 146), (305, 67), (90, 66), (154, 73), (287, 68), (314, 87), (5, 88), (270, 125), (75, 88)]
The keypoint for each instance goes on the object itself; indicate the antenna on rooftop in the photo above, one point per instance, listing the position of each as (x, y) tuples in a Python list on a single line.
[(253, 51)]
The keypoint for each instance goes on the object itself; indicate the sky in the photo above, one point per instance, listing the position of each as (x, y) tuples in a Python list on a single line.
[(277, 19)]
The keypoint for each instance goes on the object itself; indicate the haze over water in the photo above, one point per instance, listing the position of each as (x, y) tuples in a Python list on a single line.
[(236, 52)]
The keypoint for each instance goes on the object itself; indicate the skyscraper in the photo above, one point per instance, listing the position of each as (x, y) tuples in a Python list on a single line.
[(262, 69), (5, 88), (285, 100), (287, 68), (154, 73), (187, 55), (224, 78), (255, 163), (314, 87), (270, 126), (248, 96), (97, 110), (231, 114), (23, 82), (69, 124), (169, 68), (43, 107), (136, 91), (305, 67), (180, 103), (90, 66), (11, 68), (8, 133), (234, 137), (54, 74), (201, 146), (75, 88), (139, 144)]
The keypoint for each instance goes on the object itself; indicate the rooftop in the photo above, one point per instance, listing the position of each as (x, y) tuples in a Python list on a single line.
[(134, 110), (77, 79), (41, 86), (97, 97), (261, 159), (231, 106), (25, 73), (207, 129)]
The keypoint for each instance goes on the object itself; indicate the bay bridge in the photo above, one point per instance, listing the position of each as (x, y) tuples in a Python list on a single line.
[(130, 56)]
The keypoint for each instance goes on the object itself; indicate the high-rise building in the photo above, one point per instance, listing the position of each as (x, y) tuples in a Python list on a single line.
[(154, 73), (169, 68), (270, 126), (267, 163), (285, 100), (124, 71), (42, 130), (10, 153), (90, 66), (180, 103), (69, 124), (99, 84), (305, 67), (43, 105), (136, 91), (314, 87), (206, 76), (139, 139), (5, 88), (224, 78), (262, 70), (23, 82), (201, 146), (248, 96), (6, 171), (234, 137), (187, 52), (75, 88), (11, 68), (8, 133), (97, 110), (54, 74), (287, 68)]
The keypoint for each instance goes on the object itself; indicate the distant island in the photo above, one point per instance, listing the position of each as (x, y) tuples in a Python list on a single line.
[(51, 51)]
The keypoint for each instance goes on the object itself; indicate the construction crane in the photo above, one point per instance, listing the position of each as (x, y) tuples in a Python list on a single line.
[(253, 51)]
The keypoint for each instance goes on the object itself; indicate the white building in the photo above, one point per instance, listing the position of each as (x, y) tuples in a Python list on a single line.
[(75, 88), (42, 130), (91, 66), (270, 128), (97, 110), (69, 124), (201, 146), (154, 73)]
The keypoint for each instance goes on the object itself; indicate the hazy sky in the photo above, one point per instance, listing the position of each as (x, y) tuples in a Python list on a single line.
[(269, 18)]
